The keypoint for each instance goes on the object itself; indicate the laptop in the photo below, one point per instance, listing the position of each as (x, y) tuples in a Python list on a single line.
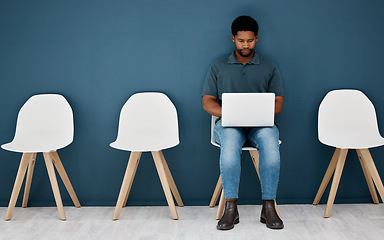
[(248, 109)]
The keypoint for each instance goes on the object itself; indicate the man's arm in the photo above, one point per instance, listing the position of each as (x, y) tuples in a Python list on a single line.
[(279, 101), (211, 106)]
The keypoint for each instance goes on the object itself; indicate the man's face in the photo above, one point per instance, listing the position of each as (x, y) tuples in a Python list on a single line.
[(245, 43)]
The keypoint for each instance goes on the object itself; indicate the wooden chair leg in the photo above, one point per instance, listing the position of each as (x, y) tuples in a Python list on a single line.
[(28, 180), (55, 187), (327, 176), (255, 159), (60, 169), (335, 181), (164, 182), (171, 182), (18, 182), (128, 178), (368, 178), (216, 193), (277, 209), (131, 180), (126, 195), (220, 209), (367, 158)]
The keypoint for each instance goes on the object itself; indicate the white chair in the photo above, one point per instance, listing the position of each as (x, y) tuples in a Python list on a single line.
[(219, 187), (148, 123), (347, 120), (44, 124)]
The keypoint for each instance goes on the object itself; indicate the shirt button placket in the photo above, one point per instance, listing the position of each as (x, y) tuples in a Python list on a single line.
[(243, 75)]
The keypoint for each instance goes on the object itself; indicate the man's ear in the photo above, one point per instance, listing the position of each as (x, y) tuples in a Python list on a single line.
[(257, 37), (233, 38)]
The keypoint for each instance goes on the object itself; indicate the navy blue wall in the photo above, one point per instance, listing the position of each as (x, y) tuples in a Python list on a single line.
[(98, 53)]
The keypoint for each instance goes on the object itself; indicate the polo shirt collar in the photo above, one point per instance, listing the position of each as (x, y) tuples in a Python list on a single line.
[(255, 60)]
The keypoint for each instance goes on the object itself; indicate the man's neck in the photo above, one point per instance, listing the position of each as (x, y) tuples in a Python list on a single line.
[(242, 59)]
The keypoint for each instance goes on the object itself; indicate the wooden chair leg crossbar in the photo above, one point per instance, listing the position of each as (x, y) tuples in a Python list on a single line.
[(28, 162), (335, 168), (166, 180), (219, 188)]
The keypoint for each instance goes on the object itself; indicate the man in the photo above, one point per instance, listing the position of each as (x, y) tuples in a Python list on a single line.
[(245, 71)]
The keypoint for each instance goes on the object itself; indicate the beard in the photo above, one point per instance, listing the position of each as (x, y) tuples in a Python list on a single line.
[(245, 52)]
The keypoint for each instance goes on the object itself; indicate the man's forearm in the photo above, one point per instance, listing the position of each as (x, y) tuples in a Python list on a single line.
[(279, 101), (211, 106)]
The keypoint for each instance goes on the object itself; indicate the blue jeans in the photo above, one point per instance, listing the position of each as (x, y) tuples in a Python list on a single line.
[(231, 140)]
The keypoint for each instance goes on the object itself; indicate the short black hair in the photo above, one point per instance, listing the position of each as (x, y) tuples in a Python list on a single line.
[(244, 23)]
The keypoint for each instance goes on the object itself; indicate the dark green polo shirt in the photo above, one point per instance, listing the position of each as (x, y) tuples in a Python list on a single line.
[(230, 76)]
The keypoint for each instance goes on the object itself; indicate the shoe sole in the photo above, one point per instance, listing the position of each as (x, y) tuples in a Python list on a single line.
[(263, 220), (228, 227)]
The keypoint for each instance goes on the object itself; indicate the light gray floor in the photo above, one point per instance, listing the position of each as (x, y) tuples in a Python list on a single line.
[(349, 221)]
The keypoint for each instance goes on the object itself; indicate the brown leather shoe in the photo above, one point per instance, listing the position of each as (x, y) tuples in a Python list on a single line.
[(230, 216), (269, 215)]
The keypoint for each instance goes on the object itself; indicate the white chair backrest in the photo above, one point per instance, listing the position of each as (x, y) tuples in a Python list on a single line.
[(347, 119), (148, 122), (44, 123)]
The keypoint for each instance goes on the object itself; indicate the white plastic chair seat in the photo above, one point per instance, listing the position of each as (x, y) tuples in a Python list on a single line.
[(141, 145), (352, 142), (37, 144)]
